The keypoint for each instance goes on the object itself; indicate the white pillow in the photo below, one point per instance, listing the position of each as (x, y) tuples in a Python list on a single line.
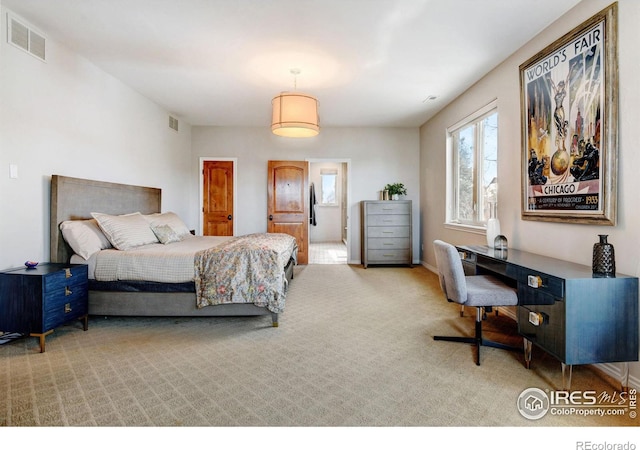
[(84, 237), (168, 218), (127, 231)]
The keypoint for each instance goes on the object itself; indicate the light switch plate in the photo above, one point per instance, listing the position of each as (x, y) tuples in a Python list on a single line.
[(13, 171)]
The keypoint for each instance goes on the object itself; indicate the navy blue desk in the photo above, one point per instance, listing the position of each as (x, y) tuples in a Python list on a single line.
[(565, 310)]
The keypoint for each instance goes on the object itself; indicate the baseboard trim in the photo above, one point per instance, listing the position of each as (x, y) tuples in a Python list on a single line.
[(613, 370)]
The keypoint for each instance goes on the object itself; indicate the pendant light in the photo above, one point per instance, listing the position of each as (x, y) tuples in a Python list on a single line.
[(295, 114)]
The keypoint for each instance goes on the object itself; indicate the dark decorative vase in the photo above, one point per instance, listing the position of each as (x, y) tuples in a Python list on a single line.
[(500, 247), (604, 258)]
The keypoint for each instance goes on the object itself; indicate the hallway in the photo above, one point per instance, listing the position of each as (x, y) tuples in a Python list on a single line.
[(327, 253)]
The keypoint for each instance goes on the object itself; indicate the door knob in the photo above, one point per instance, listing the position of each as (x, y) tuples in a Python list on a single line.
[(270, 216), (229, 217)]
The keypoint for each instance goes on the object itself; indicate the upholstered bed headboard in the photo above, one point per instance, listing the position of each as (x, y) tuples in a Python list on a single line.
[(77, 198)]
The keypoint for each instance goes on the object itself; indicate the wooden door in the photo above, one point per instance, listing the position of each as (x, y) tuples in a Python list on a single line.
[(217, 198), (288, 202)]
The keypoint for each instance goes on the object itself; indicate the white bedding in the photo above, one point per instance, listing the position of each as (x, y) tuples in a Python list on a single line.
[(170, 263)]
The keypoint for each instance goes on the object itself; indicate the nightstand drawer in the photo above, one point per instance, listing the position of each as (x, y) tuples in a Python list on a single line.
[(68, 276), (64, 305)]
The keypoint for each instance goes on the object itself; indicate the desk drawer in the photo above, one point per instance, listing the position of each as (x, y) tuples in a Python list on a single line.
[(541, 282), (491, 265), (544, 325)]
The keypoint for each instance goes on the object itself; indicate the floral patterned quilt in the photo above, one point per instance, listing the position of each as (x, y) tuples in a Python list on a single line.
[(245, 269)]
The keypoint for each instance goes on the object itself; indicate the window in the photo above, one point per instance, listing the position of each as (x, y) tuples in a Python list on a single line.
[(328, 186), (472, 173)]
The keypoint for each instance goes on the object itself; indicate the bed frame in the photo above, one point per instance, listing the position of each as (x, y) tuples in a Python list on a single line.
[(76, 198)]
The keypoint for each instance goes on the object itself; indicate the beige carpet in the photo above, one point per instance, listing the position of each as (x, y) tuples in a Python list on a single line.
[(354, 348)]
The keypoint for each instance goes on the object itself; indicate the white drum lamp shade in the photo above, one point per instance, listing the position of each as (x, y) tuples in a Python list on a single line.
[(295, 115)]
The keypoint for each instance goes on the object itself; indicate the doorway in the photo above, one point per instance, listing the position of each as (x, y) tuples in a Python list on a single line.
[(329, 238), (288, 202), (329, 218), (217, 196)]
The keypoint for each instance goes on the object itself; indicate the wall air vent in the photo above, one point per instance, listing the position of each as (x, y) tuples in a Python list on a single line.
[(24, 37), (173, 123)]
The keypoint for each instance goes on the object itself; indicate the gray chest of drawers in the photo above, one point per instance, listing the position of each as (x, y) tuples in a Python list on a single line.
[(386, 232)]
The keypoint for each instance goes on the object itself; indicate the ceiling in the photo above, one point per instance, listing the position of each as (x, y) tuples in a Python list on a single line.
[(220, 62)]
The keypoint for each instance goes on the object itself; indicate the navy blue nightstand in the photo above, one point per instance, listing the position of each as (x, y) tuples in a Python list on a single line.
[(35, 301)]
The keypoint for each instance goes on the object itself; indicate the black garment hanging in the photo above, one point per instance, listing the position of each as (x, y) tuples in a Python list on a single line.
[(312, 203)]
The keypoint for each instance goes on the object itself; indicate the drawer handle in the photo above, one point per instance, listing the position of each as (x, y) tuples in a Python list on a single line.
[(67, 308), (387, 243), (389, 255), (534, 281), (387, 232), (67, 273), (67, 291), (535, 318)]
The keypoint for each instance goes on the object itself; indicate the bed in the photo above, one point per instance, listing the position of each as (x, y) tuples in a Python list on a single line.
[(73, 200)]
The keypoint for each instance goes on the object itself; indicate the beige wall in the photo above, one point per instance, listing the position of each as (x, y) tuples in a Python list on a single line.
[(68, 117), (377, 156), (571, 242)]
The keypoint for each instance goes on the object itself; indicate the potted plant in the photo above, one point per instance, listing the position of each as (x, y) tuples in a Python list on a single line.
[(395, 190)]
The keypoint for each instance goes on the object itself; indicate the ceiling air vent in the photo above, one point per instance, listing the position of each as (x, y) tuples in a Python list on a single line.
[(173, 123), (26, 38)]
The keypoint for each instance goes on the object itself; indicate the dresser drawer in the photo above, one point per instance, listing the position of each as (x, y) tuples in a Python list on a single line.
[(388, 220), (388, 232), (388, 243), (388, 256), (66, 277), (388, 207)]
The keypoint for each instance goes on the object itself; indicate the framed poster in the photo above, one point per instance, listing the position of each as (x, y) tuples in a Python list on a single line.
[(569, 101)]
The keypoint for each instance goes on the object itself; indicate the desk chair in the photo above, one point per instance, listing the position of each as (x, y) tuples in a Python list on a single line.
[(479, 291)]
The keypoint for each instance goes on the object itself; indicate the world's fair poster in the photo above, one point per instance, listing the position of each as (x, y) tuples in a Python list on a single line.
[(569, 123)]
